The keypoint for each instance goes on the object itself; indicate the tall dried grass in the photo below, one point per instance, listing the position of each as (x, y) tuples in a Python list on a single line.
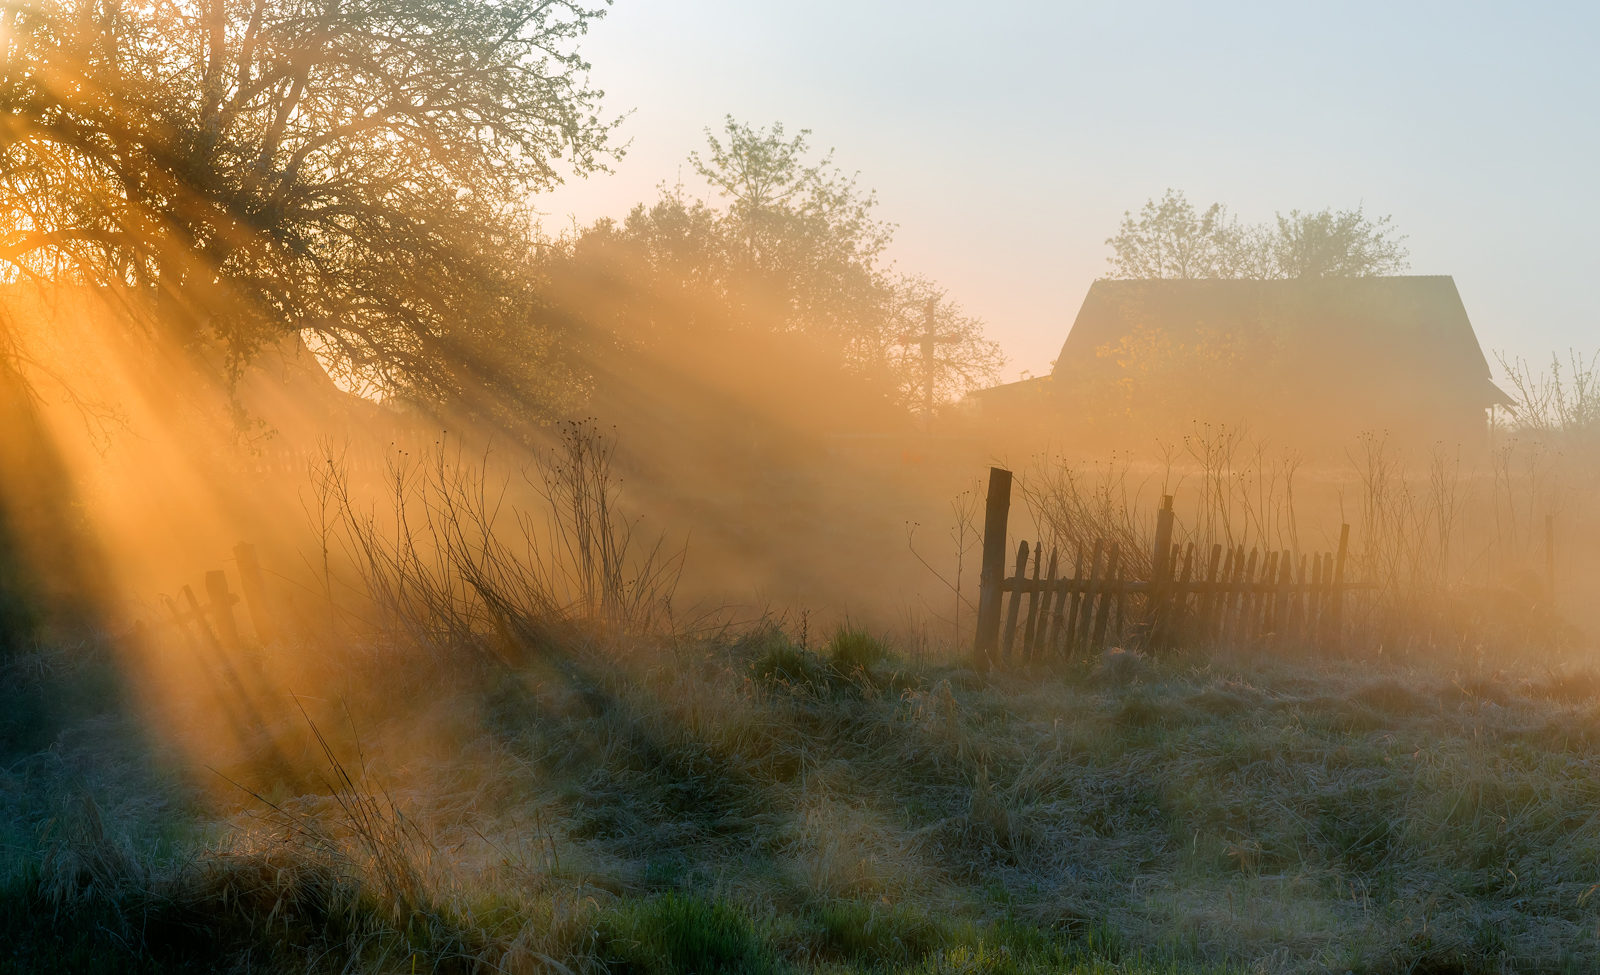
[(459, 559)]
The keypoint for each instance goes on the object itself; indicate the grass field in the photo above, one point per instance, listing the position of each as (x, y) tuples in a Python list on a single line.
[(749, 805)]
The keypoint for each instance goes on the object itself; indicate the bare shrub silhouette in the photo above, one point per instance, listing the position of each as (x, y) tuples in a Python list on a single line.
[(454, 563)]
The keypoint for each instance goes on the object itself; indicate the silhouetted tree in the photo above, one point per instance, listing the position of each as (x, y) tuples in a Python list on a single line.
[(1169, 238), (797, 250), (1335, 244), (245, 169)]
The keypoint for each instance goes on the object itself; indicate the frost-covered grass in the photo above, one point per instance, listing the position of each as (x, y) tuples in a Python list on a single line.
[(748, 805)]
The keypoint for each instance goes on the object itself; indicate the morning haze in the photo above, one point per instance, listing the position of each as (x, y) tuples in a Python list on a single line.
[(710, 487), (1007, 145)]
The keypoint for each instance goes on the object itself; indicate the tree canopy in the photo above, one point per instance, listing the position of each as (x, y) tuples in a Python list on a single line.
[(1170, 238), (793, 249), (247, 169)]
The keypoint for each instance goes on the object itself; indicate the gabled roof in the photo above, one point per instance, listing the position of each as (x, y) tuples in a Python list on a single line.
[(1371, 335)]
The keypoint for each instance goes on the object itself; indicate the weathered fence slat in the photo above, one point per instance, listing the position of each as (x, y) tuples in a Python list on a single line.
[(1035, 597), (1176, 613), (1208, 596), (1052, 598), (1107, 595), (1280, 609), (1014, 607), (1241, 621), (1336, 628), (1068, 637), (1194, 593), (1058, 621), (1091, 589), (1313, 627)]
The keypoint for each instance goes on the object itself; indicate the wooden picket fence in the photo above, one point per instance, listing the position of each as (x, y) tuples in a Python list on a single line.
[(212, 624), (1194, 597)]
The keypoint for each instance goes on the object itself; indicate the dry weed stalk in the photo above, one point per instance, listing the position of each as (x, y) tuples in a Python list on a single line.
[(451, 562), (1422, 536)]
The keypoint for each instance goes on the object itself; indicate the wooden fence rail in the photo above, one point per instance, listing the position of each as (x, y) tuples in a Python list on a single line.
[(212, 624), (1196, 597)]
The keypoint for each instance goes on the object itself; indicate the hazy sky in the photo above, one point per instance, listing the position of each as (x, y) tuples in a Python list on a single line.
[(1005, 142)]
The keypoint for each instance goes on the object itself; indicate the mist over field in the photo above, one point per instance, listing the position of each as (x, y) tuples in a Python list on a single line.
[(396, 578)]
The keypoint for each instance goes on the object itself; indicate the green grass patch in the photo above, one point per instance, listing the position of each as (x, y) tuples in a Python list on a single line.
[(683, 934)]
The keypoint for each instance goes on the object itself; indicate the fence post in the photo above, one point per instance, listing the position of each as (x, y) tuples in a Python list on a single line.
[(1160, 572), (1336, 632), (1550, 558), (255, 591), (222, 608), (996, 512)]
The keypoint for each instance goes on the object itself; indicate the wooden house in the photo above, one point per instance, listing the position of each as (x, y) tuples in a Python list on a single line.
[(1313, 363)]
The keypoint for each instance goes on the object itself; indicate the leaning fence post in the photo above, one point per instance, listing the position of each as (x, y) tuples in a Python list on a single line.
[(997, 510)]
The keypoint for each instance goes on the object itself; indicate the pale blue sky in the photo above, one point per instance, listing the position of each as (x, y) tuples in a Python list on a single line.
[(1006, 142)]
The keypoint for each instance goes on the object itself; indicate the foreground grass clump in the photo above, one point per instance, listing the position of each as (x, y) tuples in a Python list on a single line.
[(853, 648), (752, 806)]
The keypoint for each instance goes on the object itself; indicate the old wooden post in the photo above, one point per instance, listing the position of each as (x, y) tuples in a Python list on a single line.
[(1550, 558), (1160, 571), (1336, 623), (222, 608), (997, 510), (255, 592)]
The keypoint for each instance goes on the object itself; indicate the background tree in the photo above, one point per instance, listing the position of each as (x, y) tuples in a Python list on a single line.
[(246, 169), (1334, 244), (789, 263), (1169, 238), (801, 238)]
